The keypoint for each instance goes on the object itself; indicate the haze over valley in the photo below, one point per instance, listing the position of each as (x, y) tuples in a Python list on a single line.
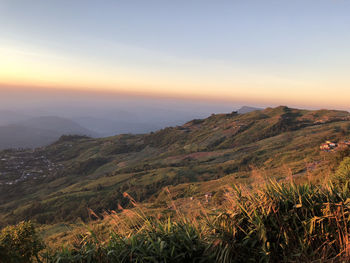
[(28, 125)]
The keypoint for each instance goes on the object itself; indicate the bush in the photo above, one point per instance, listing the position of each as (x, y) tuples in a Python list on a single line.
[(342, 175), (19, 243)]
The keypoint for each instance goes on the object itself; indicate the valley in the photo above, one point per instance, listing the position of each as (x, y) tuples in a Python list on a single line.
[(18, 166)]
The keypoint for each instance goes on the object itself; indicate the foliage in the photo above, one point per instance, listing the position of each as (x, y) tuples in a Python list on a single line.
[(19, 243), (284, 223), (280, 223), (342, 175), (154, 242)]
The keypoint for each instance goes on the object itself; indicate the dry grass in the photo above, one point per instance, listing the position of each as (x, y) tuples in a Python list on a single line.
[(275, 222)]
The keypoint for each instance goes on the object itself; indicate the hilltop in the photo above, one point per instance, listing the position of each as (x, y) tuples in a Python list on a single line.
[(199, 157), (247, 109)]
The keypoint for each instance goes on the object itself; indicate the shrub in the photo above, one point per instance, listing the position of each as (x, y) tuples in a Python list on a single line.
[(19, 243), (342, 175)]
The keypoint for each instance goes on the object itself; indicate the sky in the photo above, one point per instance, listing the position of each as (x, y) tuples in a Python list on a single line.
[(272, 52)]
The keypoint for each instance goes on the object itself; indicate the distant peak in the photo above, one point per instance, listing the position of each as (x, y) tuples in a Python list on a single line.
[(247, 109)]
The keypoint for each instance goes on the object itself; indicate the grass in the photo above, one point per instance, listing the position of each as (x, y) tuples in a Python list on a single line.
[(285, 223), (277, 222), (280, 222), (98, 171), (91, 163)]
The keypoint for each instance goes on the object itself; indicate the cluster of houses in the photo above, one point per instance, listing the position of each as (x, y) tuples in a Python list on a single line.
[(22, 165), (329, 146)]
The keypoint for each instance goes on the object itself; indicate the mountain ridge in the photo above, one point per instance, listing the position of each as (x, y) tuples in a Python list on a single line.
[(205, 153), (247, 109)]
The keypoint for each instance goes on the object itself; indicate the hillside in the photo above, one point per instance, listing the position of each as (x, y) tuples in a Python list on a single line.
[(39, 131), (58, 182)]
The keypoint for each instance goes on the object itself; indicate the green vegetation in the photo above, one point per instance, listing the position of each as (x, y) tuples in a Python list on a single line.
[(94, 173), (189, 168), (19, 243), (154, 242), (342, 175), (279, 223), (285, 223)]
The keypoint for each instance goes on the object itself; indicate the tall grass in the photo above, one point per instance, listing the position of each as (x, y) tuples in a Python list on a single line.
[(155, 242), (138, 237), (284, 223), (281, 222)]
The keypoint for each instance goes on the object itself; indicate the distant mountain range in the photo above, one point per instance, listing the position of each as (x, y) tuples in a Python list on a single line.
[(40, 131), (10, 117), (110, 127), (19, 130), (247, 109)]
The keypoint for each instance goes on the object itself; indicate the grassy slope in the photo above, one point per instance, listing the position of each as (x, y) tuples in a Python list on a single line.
[(200, 156)]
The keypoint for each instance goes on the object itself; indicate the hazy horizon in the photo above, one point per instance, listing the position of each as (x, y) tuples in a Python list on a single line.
[(257, 53), (105, 114), (125, 67)]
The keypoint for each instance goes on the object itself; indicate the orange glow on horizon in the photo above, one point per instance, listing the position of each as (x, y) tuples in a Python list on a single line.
[(27, 69), (134, 92)]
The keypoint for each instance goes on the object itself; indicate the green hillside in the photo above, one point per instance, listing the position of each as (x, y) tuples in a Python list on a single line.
[(59, 182)]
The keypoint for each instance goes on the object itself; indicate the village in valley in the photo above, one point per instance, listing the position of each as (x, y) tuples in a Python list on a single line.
[(330, 146), (20, 165)]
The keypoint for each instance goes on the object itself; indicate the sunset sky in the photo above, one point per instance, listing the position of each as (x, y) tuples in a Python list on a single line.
[(260, 52)]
